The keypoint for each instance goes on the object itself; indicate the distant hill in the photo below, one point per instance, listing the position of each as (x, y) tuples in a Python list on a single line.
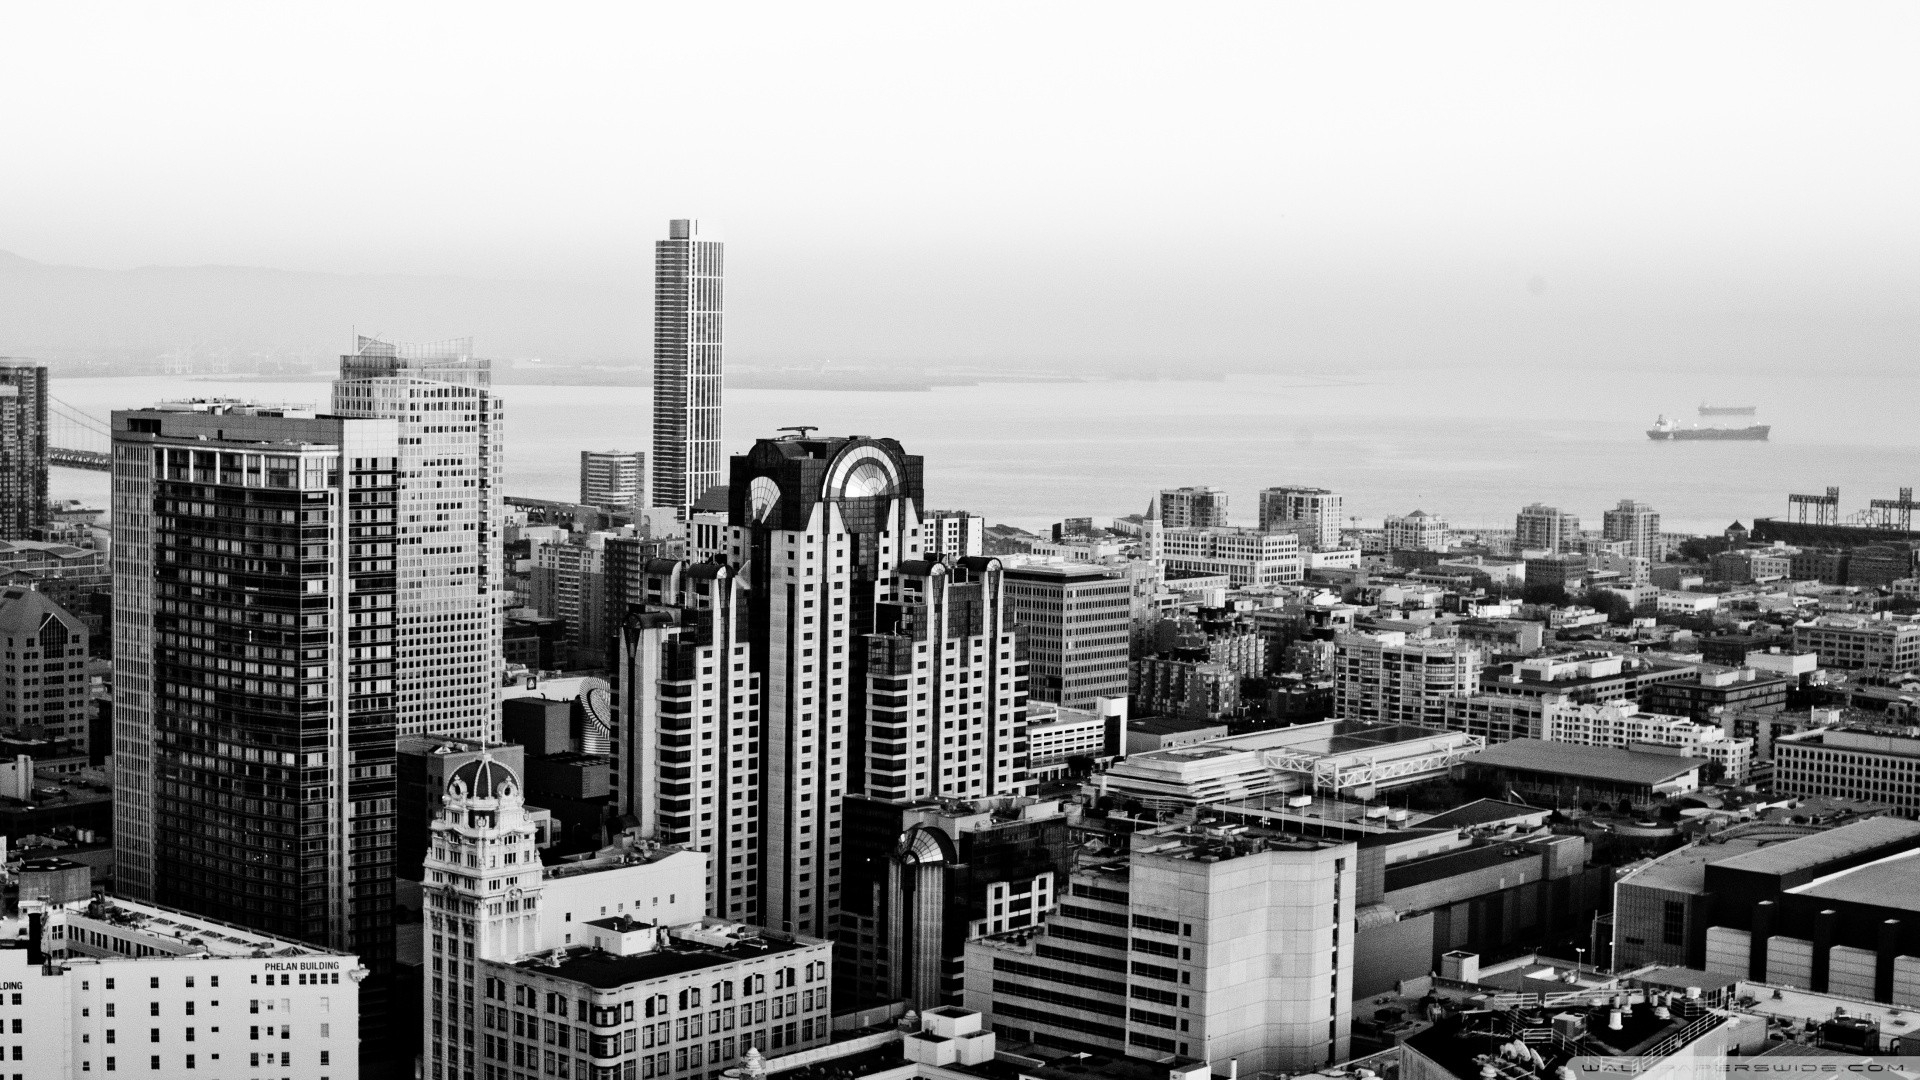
[(77, 317)]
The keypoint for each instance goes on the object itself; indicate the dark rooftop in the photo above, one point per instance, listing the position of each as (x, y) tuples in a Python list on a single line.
[(1405, 875), (1479, 812), (1169, 725), (1586, 762), (608, 971)]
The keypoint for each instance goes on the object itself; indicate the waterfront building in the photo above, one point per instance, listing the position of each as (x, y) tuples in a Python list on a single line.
[(1637, 525), (23, 449), (688, 307), (110, 985), (1318, 507), (446, 554), (1539, 527), (254, 676), (1148, 955), (1418, 531), (1075, 620), (615, 480), (1190, 508)]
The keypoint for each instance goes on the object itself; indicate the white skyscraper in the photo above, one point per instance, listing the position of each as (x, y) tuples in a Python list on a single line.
[(881, 672), (688, 304), (449, 568)]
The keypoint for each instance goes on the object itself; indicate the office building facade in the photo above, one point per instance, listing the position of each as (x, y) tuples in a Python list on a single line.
[(1155, 954), (448, 548), (614, 480), (1318, 507), (254, 672), (1075, 620), (1246, 556), (688, 308), (23, 449)]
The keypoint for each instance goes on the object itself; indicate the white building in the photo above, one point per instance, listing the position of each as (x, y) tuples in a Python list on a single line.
[(1218, 944), (447, 557), (1418, 531), (1246, 556), (614, 479), (1686, 603), (1389, 676), (954, 532), (1323, 508), (1621, 724), (1637, 525), (115, 986), (1057, 732), (556, 956)]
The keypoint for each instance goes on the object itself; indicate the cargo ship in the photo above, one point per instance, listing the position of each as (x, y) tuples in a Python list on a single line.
[(1664, 430), (1727, 410)]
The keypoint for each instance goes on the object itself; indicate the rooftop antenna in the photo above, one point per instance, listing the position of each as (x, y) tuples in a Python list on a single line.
[(801, 430)]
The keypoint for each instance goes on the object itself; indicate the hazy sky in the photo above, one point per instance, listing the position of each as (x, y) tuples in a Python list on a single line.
[(976, 177)]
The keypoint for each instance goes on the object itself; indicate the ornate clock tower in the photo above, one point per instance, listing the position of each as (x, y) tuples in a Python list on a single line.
[(482, 902)]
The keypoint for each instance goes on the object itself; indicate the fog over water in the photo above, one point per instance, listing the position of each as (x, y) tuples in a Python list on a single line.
[(1473, 445)]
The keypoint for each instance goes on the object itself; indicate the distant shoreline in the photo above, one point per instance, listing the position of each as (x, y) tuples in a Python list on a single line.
[(851, 382)]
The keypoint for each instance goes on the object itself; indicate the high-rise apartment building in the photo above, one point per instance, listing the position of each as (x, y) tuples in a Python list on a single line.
[(614, 480), (23, 449), (1075, 620), (1418, 531), (1390, 677), (254, 670), (688, 303), (1322, 508), (1190, 507), (569, 584), (448, 562), (1539, 527), (687, 767), (1635, 524), (1147, 955), (955, 533), (881, 672)]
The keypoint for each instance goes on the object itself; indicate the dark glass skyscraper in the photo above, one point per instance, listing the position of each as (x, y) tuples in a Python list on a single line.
[(23, 449), (254, 719), (687, 307)]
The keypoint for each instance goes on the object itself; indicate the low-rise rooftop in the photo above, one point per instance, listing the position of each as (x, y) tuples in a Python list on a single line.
[(1587, 762), (607, 971)]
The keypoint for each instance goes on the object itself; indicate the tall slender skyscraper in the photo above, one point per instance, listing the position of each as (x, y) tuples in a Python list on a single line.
[(253, 725), (449, 570), (23, 449), (687, 334)]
